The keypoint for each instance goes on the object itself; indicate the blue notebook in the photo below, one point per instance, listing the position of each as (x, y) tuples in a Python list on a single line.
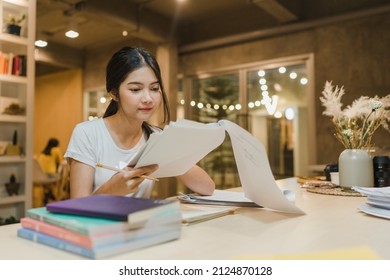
[(114, 207), (100, 252)]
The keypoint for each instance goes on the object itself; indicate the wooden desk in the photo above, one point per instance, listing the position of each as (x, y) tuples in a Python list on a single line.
[(331, 222)]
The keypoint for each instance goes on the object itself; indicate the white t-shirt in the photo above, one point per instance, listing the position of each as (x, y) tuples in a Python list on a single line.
[(91, 143)]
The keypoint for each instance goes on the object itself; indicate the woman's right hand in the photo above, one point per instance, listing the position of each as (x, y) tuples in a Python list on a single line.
[(126, 181)]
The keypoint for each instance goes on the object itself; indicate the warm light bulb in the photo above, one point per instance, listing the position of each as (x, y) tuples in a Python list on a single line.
[(289, 113), (282, 70), (72, 34), (40, 43)]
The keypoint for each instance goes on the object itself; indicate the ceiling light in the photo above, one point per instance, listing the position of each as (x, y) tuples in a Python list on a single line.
[(41, 40), (71, 34), (72, 30), (40, 43)]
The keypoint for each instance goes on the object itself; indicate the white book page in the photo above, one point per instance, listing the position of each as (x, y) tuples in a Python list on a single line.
[(223, 195), (177, 157), (198, 213), (382, 192), (255, 173), (375, 211)]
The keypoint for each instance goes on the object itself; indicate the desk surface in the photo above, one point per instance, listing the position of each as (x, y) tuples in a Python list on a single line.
[(331, 223)]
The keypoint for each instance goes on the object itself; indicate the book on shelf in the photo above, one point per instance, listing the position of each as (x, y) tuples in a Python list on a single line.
[(100, 252), (182, 144), (121, 208), (95, 241), (19, 65), (11, 64)]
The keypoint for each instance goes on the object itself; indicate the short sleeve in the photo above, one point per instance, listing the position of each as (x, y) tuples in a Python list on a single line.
[(80, 146)]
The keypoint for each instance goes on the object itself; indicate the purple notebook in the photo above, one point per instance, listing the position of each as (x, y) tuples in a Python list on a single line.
[(106, 206)]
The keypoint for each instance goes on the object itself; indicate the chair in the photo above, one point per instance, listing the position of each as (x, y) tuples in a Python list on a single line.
[(63, 187), (43, 185)]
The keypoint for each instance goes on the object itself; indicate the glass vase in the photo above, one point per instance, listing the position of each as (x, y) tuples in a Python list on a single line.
[(356, 169)]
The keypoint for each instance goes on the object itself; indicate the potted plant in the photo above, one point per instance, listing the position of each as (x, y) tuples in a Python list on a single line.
[(13, 24), (355, 126)]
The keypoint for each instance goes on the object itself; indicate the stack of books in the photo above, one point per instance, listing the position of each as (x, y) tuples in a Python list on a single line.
[(378, 201), (101, 226)]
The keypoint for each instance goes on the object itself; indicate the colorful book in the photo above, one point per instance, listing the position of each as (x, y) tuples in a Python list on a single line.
[(90, 242), (121, 208), (84, 225), (102, 251)]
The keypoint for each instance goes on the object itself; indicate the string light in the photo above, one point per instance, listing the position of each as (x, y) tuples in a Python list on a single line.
[(269, 102)]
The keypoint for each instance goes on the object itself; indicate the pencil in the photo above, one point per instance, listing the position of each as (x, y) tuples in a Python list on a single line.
[(121, 170)]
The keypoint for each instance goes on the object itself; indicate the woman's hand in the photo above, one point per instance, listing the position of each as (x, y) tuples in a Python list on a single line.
[(198, 181), (126, 181), (121, 183)]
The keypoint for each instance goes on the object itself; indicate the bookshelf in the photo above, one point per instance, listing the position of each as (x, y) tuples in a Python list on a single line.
[(17, 75)]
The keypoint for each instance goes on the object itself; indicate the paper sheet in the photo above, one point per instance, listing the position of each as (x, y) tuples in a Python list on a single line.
[(378, 201), (383, 192), (219, 197), (375, 211), (255, 173), (198, 213), (175, 157), (184, 143), (223, 195)]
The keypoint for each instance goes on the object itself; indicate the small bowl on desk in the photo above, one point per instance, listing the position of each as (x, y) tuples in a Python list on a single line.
[(12, 188)]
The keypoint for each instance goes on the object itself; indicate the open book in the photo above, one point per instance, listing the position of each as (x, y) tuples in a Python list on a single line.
[(181, 144), (220, 198)]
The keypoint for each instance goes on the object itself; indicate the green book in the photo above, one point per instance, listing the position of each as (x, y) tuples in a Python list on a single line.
[(91, 226), (87, 226)]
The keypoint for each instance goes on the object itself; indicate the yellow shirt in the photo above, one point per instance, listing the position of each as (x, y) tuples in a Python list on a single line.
[(49, 163)]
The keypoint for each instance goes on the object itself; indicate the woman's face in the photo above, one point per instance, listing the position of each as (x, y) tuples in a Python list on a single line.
[(140, 94)]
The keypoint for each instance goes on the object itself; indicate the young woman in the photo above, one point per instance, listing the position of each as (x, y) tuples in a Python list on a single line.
[(51, 157), (133, 80)]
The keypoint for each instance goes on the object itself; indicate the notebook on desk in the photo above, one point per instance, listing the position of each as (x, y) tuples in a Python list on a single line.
[(219, 198), (121, 208)]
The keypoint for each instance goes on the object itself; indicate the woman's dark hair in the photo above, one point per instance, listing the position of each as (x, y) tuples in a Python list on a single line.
[(53, 142), (121, 64)]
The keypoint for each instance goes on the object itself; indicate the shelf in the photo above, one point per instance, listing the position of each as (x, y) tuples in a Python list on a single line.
[(7, 200), (21, 3), (12, 159), (19, 90), (12, 118), (13, 79), (13, 40)]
